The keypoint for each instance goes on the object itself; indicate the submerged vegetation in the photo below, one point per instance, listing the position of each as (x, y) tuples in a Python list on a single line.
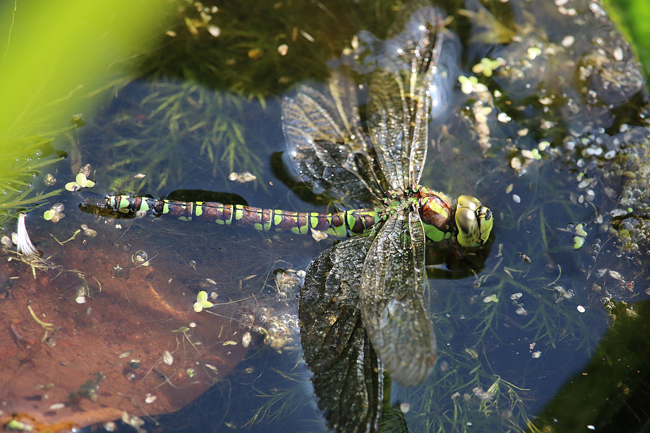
[(161, 125), (22, 162)]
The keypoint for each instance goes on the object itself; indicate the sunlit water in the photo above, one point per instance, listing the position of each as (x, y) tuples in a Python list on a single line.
[(545, 142)]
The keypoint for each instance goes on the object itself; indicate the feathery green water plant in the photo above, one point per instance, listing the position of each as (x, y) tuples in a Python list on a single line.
[(160, 126), (22, 159)]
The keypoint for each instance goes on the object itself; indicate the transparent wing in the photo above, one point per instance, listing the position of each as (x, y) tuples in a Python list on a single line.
[(398, 112), (393, 282), (348, 379), (327, 144)]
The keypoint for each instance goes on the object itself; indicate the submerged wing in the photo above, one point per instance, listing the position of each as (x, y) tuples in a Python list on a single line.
[(398, 112), (393, 282), (327, 144), (348, 379)]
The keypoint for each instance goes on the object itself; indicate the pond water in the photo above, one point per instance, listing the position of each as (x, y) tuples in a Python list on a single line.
[(541, 329)]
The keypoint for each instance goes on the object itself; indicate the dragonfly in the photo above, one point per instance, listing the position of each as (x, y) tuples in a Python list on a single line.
[(388, 219)]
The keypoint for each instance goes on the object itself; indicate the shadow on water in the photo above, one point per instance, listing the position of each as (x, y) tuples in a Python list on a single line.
[(541, 329)]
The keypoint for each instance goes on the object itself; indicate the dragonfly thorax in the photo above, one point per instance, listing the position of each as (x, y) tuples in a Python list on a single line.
[(435, 208), (436, 212)]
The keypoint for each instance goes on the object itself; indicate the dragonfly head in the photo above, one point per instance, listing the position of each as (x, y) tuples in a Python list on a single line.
[(473, 220)]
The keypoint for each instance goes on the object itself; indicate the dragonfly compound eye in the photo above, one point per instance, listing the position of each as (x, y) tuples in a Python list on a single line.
[(473, 220), (469, 202), (485, 222), (468, 227)]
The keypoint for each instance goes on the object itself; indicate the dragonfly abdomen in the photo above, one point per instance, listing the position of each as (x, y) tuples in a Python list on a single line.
[(337, 224)]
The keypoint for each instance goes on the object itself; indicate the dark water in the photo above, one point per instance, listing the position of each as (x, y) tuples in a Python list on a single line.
[(542, 335)]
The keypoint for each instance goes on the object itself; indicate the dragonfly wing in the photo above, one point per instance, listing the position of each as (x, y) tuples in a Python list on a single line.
[(393, 282), (348, 378), (327, 144), (398, 112)]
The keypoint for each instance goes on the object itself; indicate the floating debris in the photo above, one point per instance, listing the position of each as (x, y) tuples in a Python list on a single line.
[(568, 41), (467, 84), (88, 231), (287, 283), (580, 231), (307, 36), (515, 163), (616, 275), (202, 301), (139, 257), (561, 294), (49, 180), (318, 235), (578, 242), (214, 30), (524, 257), (246, 339), (125, 354), (81, 295), (55, 213), (533, 52), (531, 154), (482, 395), (14, 424), (242, 177), (486, 67), (168, 358), (80, 182), (503, 118), (24, 245), (134, 421), (491, 298), (44, 325), (254, 53)]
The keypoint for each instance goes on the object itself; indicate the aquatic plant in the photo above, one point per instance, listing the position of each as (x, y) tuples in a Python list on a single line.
[(22, 160), (157, 127)]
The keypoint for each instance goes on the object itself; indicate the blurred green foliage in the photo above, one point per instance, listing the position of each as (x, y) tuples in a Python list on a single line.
[(53, 55), (633, 20)]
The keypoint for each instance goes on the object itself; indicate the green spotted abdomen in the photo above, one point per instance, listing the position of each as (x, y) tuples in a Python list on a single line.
[(336, 224)]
